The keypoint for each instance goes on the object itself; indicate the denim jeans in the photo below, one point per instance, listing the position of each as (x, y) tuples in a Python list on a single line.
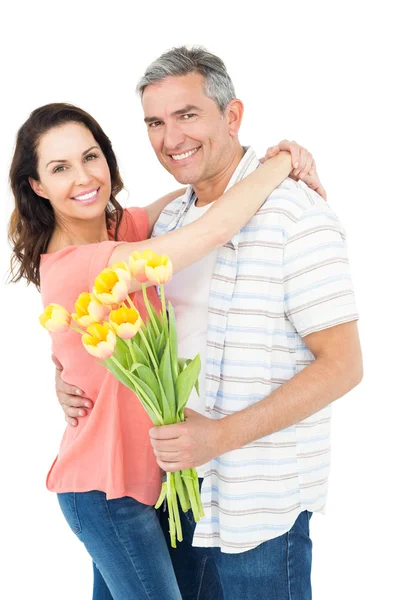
[(279, 569), (126, 543)]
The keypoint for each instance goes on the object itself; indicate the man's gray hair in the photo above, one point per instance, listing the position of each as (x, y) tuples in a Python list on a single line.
[(182, 61)]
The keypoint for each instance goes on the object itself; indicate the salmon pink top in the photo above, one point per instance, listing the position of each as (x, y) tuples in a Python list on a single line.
[(110, 449)]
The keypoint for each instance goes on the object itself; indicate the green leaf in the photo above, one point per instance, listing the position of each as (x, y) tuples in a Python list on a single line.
[(151, 340), (167, 385), (173, 341), (156, 317), (141, 354), (148, 399), (122, 354), (160, 343), (119, 373), (140, 388), (185, 382), (147, 375), (182, 363)]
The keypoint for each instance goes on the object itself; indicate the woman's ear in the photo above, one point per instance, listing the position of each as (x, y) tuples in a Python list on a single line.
[(234, 112), (37, 188)]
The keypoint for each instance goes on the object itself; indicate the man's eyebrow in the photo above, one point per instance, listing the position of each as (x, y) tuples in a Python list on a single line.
[(186, 109), (62, 160)]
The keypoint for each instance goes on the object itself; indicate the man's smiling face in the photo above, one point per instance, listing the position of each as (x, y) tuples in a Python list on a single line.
[(186, 128)]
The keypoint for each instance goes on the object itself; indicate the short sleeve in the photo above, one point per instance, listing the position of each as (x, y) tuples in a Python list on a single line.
[(317, 283), (135, 225), (72, 270), (100, 256), (68, 272)]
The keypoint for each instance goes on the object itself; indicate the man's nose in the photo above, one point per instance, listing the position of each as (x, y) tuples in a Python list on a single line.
[(173, 137)]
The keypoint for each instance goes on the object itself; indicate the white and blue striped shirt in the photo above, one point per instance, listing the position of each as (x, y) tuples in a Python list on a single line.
[(283, 276)]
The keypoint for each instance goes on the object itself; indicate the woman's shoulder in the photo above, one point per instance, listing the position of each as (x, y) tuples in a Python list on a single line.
[(134, 226)]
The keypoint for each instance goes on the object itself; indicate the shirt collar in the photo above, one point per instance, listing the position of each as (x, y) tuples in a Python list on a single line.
[(248, 163)]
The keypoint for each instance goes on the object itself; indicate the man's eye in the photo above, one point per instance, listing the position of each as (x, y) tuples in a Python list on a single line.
[(90, 156), (188, 116), (59, 169), (154, 124)]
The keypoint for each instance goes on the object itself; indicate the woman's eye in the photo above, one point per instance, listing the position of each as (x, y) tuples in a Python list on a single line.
[(59, 169), (90, 156)]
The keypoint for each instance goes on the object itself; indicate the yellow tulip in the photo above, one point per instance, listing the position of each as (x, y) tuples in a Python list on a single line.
[(109, 287), (55, 318), (137, 263), (159, 270), (89, 310), (100, 340), (123, 272), (126, 322)]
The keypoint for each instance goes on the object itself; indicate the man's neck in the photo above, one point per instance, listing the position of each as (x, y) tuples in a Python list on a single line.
[(210, 189)]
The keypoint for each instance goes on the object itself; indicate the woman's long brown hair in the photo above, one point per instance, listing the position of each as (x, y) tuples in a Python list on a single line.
[(32, 222)]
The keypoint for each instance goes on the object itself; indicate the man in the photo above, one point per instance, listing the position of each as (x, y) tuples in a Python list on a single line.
[(276, 327)]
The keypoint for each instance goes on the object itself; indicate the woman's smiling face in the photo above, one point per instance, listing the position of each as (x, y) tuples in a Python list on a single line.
[(73, 173)]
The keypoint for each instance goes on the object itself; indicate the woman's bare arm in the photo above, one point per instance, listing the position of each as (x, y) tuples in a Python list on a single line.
[(155, 208), (227, 216)]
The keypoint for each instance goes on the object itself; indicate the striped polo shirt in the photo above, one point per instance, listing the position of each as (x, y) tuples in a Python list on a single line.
[(282, 277)]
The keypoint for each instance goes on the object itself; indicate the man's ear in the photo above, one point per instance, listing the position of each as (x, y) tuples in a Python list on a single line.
[(234, 113), (37, 188)]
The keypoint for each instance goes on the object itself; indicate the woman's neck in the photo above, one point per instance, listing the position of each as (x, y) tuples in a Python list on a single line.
[(78, 233)]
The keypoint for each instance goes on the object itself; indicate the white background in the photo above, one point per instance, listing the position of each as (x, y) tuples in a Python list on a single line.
[(321, 73)]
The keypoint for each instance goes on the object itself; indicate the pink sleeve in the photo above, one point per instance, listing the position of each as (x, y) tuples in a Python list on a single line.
[(68, 272), (75, 268), (138, 224), (100, 257)]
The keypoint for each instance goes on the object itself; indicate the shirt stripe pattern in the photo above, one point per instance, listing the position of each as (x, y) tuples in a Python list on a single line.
[(282, 277)]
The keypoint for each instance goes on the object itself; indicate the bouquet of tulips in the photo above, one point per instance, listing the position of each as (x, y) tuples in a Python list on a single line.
[(141, 355)]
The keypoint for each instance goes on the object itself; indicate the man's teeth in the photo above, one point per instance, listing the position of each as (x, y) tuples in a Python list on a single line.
[(86, 196), (182, 156)]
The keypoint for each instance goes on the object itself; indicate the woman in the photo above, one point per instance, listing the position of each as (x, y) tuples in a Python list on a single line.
[(66, 227)]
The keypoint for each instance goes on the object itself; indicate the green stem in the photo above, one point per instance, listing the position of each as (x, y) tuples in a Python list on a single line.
[(162, 495), (164, 310), (129, 301), (187, 476), (131, 350), (81, 331), (139, 391), (149, 350), (149, 311), (181, 491), (175, 508), (171, 520), (197, 493)]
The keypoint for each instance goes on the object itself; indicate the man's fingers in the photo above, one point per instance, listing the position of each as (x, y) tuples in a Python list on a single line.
[(273, 151), (169, 467), (168, 456), (66, 388), (165, 432), (71, 411), (307, 166), (57, 363), (72, 400), (163, 445)]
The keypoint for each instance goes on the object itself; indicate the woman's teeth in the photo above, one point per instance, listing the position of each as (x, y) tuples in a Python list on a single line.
[(86, 196)]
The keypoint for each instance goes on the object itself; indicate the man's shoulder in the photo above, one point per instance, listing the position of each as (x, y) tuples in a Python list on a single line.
[(169, 213), (293, 201)]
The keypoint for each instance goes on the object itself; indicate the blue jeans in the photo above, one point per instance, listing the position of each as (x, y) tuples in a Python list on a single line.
[(126, 543), (279, 569)]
